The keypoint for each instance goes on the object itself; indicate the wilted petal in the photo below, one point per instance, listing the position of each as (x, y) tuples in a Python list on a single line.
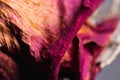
[(93, 40)]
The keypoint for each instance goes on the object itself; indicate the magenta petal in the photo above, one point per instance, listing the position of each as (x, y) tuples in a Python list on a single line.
[(58, 49), (92, 45), (34, 43)]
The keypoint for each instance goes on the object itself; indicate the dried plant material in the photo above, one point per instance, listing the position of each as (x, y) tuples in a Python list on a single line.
[(37, 34)]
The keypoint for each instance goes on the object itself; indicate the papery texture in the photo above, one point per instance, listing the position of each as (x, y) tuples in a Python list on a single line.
[(93, 41), (57, 51), (80, 59), (109, 9), (38, 33)]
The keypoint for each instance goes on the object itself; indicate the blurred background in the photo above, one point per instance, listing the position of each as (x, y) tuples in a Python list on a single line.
[(111, 70)]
